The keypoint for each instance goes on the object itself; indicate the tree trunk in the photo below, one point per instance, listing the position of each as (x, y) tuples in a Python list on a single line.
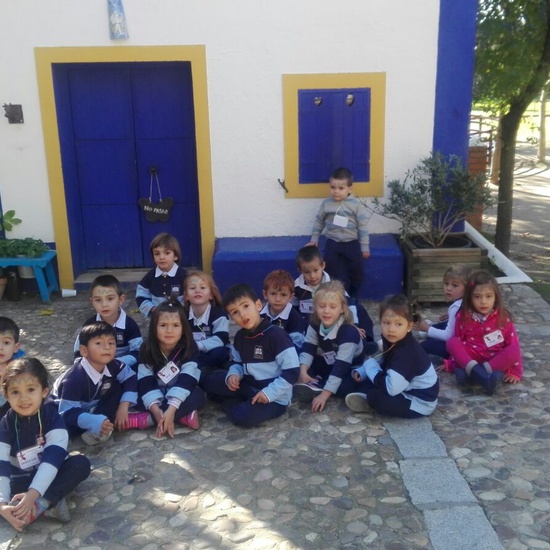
[(542, 127), (495, 161)]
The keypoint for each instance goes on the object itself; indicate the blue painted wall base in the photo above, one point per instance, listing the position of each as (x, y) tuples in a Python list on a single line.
[(249, 260)]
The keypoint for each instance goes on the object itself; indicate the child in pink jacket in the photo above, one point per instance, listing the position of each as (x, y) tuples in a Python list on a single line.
[(485, 347)]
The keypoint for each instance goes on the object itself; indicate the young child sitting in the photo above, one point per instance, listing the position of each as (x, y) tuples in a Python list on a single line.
[(404, 383), (344, 219), (208, 321), (331, 348), (168, 373), (258, 386), (94, 395), (278, 292), (165, 280), (9, 349), (35, 472), (107, 297), (454, 285), (311, 265), (485, 346)]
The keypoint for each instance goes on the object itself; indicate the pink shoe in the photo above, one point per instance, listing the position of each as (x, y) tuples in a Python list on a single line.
[(190, 420), (139, 420)]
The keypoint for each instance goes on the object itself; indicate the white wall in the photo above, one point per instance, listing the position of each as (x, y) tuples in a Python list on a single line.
[(249, 45)]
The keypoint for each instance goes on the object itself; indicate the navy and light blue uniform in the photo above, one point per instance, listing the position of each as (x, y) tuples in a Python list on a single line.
[(86, 397), (181, 391), (404, 384), (157, 286), (332, 354), (211, 334), (56, 475), (264, 359), (128, 338), (290, 321)]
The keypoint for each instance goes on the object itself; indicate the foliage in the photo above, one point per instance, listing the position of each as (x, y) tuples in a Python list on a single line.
[(8, 220), (433, 197), (29, 247)]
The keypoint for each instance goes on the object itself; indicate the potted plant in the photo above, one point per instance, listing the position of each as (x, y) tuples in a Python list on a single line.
[(429, 202)]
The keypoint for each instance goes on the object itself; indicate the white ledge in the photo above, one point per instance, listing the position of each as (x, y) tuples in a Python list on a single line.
[(513, 273)]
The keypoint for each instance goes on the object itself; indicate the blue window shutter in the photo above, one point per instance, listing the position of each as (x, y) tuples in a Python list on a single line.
[(333, 133)]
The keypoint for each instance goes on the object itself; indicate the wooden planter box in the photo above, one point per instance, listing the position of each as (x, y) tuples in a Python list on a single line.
[(425, 267)]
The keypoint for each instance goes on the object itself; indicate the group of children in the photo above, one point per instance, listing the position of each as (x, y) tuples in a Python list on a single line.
[(311, 340)]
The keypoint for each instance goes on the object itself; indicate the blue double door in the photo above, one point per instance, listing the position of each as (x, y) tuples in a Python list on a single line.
[(117, 121)]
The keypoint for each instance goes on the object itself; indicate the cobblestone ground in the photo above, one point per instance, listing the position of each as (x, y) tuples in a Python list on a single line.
[(322, 481)]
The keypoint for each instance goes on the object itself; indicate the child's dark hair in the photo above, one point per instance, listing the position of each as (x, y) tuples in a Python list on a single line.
[(342, 174), (398, 303), (328, 288), (165, 240), (9, 326), (458, 272), (108, 281), (150, 352), (482, 277), (279, 279), (94, 330), (25, 365), (214, 290), (307, 254), (241, 290)]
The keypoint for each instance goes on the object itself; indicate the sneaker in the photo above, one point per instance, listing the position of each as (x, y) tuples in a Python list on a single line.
[(306, 391), (190, 420), (60, 512), (91, 439), (461, 377), (495, 379), (357, 402), (139, 420)]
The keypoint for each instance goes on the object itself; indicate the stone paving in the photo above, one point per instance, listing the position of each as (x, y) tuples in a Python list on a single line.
[(321, 481)]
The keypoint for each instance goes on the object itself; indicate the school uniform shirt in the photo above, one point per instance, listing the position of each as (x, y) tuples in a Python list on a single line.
[(128, 338), (444, 334), (18, 433), (303, 295), (78, 390), (267, 354), (352, 212), (405, 369), (341, 347), (211, 329), (152, 389), (157, 286), (290, 321), (486, 339)]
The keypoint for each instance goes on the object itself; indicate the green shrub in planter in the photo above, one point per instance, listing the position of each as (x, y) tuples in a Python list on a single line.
[(29, 247)]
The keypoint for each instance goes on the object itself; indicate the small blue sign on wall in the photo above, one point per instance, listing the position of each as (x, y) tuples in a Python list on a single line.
[(334, 127)]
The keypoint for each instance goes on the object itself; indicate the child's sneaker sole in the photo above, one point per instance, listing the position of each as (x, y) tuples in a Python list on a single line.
[(60, 512), (357, 402), (306, 392)]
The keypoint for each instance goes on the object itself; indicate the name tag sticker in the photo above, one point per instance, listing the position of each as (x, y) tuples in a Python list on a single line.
[(199, 336), (340, 221), (168, 372), (493, 338), (306, 306), (30, 457)]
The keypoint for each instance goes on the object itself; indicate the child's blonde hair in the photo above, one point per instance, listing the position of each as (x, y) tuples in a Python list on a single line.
[(209, 280), (458, 272), (336, 288)]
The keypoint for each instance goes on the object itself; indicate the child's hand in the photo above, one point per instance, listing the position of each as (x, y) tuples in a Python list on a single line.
[(233, 382), (25, 505), (310, 243), (318, 404), (166, 423), (304, 377), (121, 417), (6, 512), (444, 317), (422, 325), (366, 255), (260, 397), (511, 378), (441, 368), (356, 376), (362, 332), (106, 427)]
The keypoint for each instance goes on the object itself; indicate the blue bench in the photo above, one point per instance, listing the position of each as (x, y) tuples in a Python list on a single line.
[(250, 259), (43, 271)]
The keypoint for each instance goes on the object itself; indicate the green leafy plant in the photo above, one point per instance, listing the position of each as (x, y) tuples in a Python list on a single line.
[(8, 220), (433, 197), (29, 247)]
